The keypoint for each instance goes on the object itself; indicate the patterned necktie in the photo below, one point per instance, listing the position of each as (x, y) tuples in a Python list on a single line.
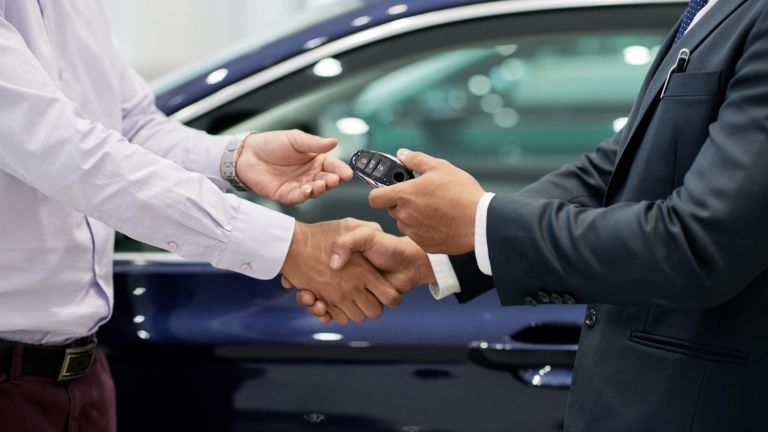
[(694, 7)]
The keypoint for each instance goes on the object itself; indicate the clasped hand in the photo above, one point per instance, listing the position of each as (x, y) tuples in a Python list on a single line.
[(437, 213)]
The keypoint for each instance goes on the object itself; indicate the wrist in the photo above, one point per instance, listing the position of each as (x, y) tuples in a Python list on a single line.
[(296, 248), (424, 273), (468, 239), (231, 164)]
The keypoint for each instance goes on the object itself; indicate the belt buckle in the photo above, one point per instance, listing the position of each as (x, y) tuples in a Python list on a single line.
[(77, 362)]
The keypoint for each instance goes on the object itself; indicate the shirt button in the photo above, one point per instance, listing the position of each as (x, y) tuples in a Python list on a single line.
[(172, 246), (590, 320), (246, 267)]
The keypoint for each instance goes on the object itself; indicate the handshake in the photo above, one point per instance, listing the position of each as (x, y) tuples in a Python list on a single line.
[(350, 269)]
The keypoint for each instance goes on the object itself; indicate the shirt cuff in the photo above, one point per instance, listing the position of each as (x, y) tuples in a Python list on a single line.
[(447, 282), (211, 154), (481, 240), (258, 242)]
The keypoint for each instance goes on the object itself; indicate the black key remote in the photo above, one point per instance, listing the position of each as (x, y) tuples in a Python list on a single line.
[(379, 169)]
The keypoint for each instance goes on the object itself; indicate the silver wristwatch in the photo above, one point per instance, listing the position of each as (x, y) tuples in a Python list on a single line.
[(228, 165)]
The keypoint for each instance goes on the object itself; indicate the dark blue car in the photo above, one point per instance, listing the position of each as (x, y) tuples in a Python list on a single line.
[(508, 90)]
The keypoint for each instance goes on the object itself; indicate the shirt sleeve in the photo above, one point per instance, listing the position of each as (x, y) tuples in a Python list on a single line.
[(144, 124), (481, 239), (46, 142), (447, 281)]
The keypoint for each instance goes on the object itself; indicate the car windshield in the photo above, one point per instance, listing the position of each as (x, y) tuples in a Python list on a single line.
[(264, 36)]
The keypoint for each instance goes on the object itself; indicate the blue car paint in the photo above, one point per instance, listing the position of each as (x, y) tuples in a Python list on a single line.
[(197, 304), (272, 53)]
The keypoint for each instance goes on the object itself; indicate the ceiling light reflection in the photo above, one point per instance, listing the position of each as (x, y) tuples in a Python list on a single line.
[(328, 67), (637, 55), (397, 9), (361, 21), (316, 42), (352, 126), (327, 337), (619, 123), (216, 76)]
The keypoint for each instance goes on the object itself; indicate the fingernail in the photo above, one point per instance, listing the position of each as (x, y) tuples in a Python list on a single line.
[(335, 261), (403, 152), (307, 189)]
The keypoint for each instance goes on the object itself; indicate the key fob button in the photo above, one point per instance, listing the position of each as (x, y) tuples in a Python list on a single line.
[(363, 160), (382, 168), (372, 164)]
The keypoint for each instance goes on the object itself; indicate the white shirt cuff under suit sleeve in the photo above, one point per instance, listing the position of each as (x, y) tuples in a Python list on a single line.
[(481, 240), (447, 282)]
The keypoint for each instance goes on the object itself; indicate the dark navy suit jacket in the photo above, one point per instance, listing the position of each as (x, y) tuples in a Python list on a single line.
[(663, 231)]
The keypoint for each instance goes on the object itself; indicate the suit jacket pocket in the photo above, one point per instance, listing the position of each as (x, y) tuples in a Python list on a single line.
[(693, 84), (687, 348)]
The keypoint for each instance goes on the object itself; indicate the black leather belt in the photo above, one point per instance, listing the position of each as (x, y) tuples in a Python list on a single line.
[(59, 362)]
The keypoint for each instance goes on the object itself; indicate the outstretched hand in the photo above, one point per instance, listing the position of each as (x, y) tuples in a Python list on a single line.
[(437, 209), (290, 166)]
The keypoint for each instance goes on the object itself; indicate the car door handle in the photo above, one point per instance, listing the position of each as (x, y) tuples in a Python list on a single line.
[(552, 368)]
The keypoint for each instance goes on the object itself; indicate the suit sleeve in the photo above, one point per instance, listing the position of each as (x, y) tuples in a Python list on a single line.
[(696, 248), (582, 183)]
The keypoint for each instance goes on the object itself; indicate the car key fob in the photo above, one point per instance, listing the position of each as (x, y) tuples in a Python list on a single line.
[(379, 169)]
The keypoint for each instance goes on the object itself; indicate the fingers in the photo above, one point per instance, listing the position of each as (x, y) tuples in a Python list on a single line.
[(287, 284), (303, 142), (306, 298), (298, 194), (318, 187), (335, 166), (338, 315), (331, 180), (359, 240), (386, 197), (369, 305), (418, 161), (382, 290)]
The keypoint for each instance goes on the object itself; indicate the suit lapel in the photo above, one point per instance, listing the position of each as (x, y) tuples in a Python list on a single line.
[(662, 65)]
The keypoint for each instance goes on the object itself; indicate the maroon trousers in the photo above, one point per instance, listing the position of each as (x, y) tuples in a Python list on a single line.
[(39, 404)]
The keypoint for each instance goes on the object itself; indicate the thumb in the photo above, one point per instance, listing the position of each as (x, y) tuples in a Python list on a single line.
[(417, 161), (359, 240), (303, 142)]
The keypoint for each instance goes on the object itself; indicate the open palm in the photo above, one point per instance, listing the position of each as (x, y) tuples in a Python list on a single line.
[(290, 166)]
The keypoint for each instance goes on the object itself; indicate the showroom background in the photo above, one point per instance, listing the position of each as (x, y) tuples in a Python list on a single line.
[(159, 37)]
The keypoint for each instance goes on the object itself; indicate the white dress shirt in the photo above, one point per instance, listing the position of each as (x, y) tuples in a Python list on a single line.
[(83, 151), (447, 281)]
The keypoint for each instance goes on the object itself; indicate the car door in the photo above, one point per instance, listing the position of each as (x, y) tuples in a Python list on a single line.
[(507, 96)]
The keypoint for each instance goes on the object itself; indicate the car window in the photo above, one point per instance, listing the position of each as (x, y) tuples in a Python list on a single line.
[(487, 107), (507, 106)]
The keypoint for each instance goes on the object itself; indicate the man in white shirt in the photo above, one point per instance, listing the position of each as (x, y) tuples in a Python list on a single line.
[(84, 152)]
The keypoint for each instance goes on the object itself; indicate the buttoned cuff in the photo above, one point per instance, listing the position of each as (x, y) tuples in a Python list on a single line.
[(481, 240), (258, 242), (447, 281)]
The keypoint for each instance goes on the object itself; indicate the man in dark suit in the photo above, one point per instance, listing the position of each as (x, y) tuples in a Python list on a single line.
[(661, 230)]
